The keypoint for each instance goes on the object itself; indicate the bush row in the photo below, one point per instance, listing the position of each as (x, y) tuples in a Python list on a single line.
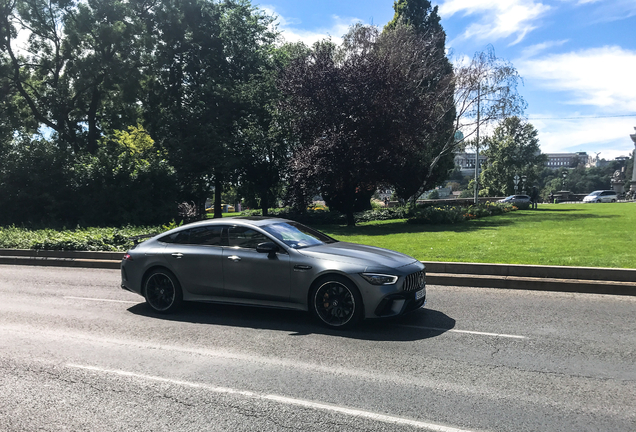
[(421, 214), (81, 239), (118, 239), (456, 214)]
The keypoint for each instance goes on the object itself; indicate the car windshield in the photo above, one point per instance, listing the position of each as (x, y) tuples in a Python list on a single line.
[(296, 235), (595, 193)]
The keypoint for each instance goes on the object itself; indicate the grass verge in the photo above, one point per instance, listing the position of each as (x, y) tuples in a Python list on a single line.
[(588, 235)]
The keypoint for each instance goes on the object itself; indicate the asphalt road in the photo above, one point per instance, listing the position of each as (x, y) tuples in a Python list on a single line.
[(77, 353)]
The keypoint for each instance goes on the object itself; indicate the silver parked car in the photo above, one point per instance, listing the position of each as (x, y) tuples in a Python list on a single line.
[(514, 199), (276, 263), (601, 196)]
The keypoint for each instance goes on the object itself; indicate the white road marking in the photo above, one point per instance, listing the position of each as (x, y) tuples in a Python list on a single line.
[(99, 299), (281, 399), (503, 335)]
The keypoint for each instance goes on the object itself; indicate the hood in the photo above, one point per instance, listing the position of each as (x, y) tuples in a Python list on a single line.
[(368, 256)]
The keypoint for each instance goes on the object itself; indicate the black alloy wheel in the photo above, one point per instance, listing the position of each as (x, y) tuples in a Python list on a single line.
[(162, 291), (337, 303)]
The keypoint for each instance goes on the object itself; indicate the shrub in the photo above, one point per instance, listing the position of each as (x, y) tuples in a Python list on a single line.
[(457, 214)]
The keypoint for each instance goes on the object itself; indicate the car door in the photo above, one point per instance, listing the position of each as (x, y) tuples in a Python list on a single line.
[(195, 256), (248, 274)]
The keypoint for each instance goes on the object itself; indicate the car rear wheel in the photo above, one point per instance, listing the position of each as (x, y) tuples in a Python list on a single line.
[(336, 302), (162, 291)]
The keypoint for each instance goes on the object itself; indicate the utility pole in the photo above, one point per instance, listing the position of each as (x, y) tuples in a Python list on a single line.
[(477, 146)]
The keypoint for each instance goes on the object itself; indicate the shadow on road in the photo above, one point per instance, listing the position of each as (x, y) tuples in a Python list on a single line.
[(420, 324)]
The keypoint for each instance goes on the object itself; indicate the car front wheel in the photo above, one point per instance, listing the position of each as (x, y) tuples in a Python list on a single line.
[(336, 302), (163, 291)]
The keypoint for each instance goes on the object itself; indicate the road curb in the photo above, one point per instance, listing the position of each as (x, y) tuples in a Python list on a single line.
[(591, 280)]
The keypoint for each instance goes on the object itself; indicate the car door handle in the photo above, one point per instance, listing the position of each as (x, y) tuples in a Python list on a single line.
[(234, 258), (177, 255)]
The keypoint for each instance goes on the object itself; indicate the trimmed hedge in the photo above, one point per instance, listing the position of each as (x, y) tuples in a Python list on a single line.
[(118, 239), (421, 214), (79, 239)]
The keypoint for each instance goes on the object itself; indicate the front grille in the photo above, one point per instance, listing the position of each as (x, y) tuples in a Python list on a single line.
[(414, 281)]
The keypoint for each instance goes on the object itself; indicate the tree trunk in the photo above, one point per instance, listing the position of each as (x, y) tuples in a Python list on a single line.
[(265, 202), (350, 219), (93, 131), (218, 189)]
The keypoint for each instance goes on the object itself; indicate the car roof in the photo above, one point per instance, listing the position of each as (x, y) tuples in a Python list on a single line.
[(243, 220)]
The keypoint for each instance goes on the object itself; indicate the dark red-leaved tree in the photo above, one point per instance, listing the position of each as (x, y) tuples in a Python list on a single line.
[(367, 113)]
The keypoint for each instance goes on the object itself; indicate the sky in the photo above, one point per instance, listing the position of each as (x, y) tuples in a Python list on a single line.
[(577, 58)]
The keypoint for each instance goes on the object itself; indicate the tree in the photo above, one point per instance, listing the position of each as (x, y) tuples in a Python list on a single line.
[(76, 59), (207, 57), (485, 91), (366, 114), (264, 144), (420, 15), (512, 149)]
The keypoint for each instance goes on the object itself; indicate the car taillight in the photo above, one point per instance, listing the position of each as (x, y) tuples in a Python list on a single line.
[(128, 257)]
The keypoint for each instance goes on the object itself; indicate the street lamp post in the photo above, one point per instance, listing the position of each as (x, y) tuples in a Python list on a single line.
[(523, 183), (515, 179)]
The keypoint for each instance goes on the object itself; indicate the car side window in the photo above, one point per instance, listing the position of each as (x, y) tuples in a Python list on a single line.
[(244, 237), (180, 237), (209, 236)]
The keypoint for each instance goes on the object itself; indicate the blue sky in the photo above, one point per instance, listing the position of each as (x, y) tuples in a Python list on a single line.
[(577, 57)]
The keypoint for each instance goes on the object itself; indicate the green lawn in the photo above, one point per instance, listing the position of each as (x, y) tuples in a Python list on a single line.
[(590, 235)]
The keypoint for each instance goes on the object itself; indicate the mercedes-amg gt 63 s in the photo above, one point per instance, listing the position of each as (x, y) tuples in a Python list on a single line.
[(274, 263)]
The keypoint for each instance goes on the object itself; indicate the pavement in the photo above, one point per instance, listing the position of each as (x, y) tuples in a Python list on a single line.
[(590, 280)]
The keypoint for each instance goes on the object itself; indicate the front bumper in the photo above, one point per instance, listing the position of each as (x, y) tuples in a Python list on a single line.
[(399, 303)]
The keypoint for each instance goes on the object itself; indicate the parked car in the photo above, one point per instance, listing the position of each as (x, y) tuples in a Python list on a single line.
[(514, 199), (601, 196), (275, 263)]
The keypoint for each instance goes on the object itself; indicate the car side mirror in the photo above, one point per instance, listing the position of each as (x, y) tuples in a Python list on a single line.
[(268, 248)]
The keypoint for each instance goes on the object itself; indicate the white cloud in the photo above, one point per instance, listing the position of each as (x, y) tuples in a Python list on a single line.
[(292, 31), (499, 18), (610, 136), (599, 77), (534, 50)]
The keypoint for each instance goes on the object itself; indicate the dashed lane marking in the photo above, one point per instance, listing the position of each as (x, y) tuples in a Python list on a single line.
[(280, 399)]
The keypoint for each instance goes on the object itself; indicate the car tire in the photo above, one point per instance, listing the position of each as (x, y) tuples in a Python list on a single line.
[(613, 200), (336, 302), (162, 291)]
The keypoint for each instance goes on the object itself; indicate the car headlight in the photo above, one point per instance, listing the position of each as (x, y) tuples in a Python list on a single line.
[(379, 279)]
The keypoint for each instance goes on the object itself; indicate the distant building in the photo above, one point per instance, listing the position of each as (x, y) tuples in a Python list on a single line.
[(466, 162), (566, 160)]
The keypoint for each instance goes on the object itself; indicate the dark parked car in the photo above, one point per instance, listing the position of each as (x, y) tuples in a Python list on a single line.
[(276, 263)]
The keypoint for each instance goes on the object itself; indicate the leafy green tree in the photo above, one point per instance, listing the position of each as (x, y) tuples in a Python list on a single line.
[(264, 145), (127, 180), (419, 14), (513, 149), (76, 58), (207, 57)]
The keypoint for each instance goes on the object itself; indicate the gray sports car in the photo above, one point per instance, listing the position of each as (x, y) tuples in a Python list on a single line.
[(276, 263)]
